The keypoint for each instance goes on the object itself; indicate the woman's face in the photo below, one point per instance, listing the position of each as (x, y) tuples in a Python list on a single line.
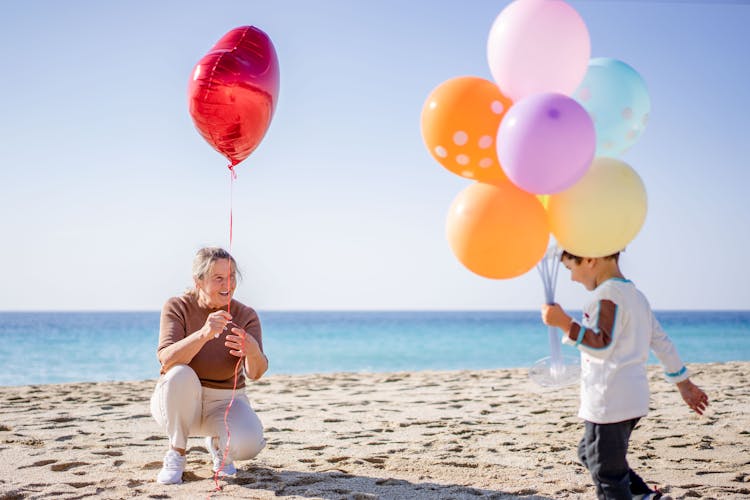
[(215, 290)]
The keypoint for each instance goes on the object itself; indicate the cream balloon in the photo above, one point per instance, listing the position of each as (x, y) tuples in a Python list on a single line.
[(602, 213)]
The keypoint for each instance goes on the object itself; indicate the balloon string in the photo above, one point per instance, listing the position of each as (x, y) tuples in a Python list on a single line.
[(226, 424), (231, 213), (548, 268), (232, 177)]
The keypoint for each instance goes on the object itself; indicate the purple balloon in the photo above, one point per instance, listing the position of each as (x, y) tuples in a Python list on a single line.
[(545, 143)]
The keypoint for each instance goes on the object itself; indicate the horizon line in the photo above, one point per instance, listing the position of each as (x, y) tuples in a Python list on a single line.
[(333, 310)]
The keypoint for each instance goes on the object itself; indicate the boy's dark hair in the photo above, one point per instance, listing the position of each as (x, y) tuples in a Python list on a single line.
[(578, 260)]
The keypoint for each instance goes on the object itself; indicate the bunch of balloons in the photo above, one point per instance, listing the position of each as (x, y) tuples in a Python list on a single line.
[(542, 142), (233, 90)]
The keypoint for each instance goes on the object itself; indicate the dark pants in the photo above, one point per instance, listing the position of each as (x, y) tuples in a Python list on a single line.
[(603, 451)]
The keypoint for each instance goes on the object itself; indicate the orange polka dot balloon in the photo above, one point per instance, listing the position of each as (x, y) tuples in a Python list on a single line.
[(460, 119)]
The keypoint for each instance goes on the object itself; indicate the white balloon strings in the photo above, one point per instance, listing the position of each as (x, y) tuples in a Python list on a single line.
[(548, 268)]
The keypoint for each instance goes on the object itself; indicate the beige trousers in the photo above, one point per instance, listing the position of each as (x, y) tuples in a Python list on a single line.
[(183, 408)]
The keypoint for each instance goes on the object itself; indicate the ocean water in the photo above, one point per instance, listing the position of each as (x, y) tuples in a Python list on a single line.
[(55, 347)]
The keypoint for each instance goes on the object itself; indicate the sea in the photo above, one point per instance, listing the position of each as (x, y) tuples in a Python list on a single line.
[(57, 347)]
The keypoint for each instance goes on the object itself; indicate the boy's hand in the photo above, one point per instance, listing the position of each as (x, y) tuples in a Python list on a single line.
[(693, 395), (554, 315)]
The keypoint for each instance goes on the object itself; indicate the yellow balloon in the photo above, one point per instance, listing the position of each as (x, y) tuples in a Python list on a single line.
[(543, 199), (497, 231), (602, 212)]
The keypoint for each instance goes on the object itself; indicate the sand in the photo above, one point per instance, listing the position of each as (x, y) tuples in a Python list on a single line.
[(432, 434)]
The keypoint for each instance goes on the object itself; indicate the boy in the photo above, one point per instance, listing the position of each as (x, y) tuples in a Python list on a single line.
[(614, 338)]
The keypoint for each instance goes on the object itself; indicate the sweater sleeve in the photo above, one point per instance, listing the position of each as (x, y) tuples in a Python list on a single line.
[(172, 326), (252, 326), (596, 340), (674, 369)]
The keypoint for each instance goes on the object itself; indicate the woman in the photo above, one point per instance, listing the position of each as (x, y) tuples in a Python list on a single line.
[(203, 336)]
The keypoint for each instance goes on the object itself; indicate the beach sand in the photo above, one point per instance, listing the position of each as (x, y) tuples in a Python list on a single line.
[(458, 435)]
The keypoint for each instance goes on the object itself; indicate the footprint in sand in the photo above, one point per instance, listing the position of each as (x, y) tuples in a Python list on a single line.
[(67, 466), (40, 463), (19, 399), (315, 448), (468, 465), (79, 485), (680, 445), (391, 482), (189, 477), (245, 480), (36, 443), (305, 481), (377, 462), (61, 420), (109, 453)]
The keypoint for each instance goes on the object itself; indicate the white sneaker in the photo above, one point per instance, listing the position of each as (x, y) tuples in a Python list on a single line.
[(171, 471), (217, 457)]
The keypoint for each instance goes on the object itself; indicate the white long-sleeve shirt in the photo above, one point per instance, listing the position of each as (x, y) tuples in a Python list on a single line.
[(615, 335)]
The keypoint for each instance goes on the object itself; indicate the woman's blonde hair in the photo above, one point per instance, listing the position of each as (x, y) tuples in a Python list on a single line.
[(205, 258)]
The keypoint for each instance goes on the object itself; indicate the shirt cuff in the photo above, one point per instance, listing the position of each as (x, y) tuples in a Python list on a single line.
[(678, 376), (574, 334)]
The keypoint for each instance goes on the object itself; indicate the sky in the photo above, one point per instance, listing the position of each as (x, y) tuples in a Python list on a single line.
[(107, 190)]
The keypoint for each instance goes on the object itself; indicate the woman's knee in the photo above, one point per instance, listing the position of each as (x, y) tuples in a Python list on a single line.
[(247, 445), (177, 392), (182, 376), (247, 438)]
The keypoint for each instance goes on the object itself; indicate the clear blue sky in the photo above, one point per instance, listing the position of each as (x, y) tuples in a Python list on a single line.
[(107, 190)]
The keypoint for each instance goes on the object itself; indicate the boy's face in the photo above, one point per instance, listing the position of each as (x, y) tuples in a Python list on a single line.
[(582, 273)]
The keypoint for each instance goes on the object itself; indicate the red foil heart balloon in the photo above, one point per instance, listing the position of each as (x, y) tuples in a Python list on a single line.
[(233, 91)]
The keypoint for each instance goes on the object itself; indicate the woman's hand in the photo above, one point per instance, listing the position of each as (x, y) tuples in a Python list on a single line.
[(216, 323), (241, 344)]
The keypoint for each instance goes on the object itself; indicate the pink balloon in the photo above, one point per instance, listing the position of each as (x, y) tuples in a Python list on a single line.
[(545, 143), (538, 46)]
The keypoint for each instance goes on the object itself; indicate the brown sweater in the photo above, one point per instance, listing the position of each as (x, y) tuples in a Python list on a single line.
[(182, 316)]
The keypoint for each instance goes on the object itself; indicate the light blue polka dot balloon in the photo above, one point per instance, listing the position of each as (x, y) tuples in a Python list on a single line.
[(616, 97)]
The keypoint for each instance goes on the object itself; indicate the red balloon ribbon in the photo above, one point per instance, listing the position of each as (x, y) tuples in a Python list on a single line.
[(233, 91), (231, 97)]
